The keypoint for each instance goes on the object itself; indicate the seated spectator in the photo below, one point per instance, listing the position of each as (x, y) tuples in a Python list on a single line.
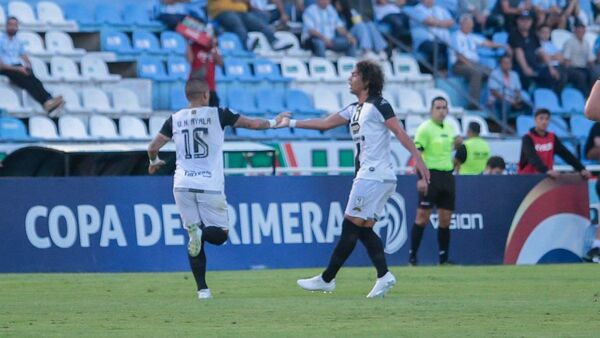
[(369, 40), (233, 16), (270, 11), (495, 166), (485, 22), (579, 61), (465, 59), (510, 10), (15, 64), (325, 30), (505, 88), (539, 147), (430, 32), (551, 50), (390, 13), (203, 60), (533, 65), (172, 12)]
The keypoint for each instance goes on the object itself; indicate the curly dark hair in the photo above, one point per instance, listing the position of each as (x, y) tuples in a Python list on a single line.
[(372, 76)]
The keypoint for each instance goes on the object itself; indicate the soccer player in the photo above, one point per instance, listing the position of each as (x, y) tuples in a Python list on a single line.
[(198, 133), (592, 105), (436, 139), (371, 119)]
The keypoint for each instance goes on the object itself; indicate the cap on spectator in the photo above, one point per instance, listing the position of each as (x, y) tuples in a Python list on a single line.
[(578, 24)]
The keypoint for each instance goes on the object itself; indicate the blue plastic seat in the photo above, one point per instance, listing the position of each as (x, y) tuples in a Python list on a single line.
[(298, 101), (280, 133), (12, 129), (270, 101), (500, 38), (138, 16), (230, 45), (147, 42), (116, 42), (249, 133), (572, 149), (580, 126), (178, 68), (308, 133), (220, 76), (242, 100), (239, 70), (266, 70), (572, 101), (178, 99), (546, 98), (223, 102), (173, 43), (85, 21), (559, 127), (111, 16), (152, 68), (524, 123)]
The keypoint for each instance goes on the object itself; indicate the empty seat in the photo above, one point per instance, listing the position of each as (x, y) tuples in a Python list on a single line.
[(173, 43), (524, 124), (33, 44), (72, 100), (72, 127), (265, 69), (412, 123), (40, 69), (51, 14), (298, 101), (178, 67), (42, 127), (151, 68), (155, 123), (484, 128), (146, 42), (406, 67), (110, 16), (117, 42), (410, 101), (322, 69), (132, 127), (270, 101), (230, 45), (581, 126), (60, 43), (81, 15), (262, 46), (328, 101), (103, 127), (242, 100), (10, 101), (453, 121), (239, 70), (138, 15), (295, 69), (96, 100), (546, 98), (178, 99), (24, 13), (64, 69), (126, 101), (94, 68), (12, 129), (345, 66), (289, 38), (432, 93), (572, 101), (559, 127)]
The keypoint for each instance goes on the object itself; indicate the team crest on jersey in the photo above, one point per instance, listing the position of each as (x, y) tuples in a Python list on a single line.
[(359, 202)]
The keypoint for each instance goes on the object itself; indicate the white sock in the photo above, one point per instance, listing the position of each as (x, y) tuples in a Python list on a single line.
[(596, 243)]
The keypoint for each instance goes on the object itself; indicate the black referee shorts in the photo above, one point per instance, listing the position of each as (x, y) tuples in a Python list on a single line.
[(441, 192)]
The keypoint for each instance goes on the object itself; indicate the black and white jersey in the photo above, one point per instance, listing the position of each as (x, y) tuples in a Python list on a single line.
[(198, 135), (372, 155)]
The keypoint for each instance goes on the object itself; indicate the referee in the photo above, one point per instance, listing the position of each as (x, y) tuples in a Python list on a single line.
[(436, 140)]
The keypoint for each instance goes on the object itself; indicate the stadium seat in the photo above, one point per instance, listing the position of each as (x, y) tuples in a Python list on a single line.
[(2, 17), (500, 38), (173, 43), (263, 47), (132, 127), (242, 100), (178, 68), (10, 101), (279, 133), (64, 69), (177, 95), (117, 42), (81, 15), (40, 70), (249, 134), (322, 69), (345, 66), (270, 101), (524, 124), (295, 69), (155, 123), (308, 133), (33, 44), (451, 120), (484, 128), (289, 38), (298, 101), (388, 71), (24, 13), (546, 98), (152, 68), (146, 42), (72, 127), (572, 101), (137, 15), (266, 70), (42, 127), (230, 45), (95, 69), (328, 101), (72, 101), (103, 127), (431, 93), (52, 15), (96, 100), (581, 126), (111, 16), (412, 122), (559, 127), (407, 68), (126, 101), (346, 98), (12, 129), (411, 102), (239, 70), (60, 43), (559, 37)]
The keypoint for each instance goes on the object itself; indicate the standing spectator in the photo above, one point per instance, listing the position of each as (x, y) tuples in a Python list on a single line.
[(369, 39), (579, 60), (390, 13), (471, 157), (430, 32), (15, 64), (465, 59), (533, 64), (510, 10), (324, 30), (203, 60), (270, 11), (495, 166), (505, 87), (233, 16), (539, 147)]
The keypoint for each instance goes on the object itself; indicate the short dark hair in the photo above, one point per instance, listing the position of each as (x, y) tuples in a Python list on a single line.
[(371, 73), (12, 18), (496, 162), (542, 111), (195, 88), (437, 98), (474, 127)]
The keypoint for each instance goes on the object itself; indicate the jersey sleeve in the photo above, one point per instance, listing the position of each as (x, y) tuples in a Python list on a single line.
[(386, 110), (421, 138), (227, 117), (347, 112), (167, 128)]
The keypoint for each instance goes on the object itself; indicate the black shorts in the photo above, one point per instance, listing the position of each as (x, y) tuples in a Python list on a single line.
[(441, 192)]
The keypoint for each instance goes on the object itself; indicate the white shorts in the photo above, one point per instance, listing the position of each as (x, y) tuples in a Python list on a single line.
[(368, 198), (196, 207)]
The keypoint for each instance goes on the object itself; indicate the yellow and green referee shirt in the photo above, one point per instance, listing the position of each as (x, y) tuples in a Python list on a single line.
[(436, 142)]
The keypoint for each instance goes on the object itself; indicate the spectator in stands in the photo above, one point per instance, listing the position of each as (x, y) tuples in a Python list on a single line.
[(539, 147), (579, 61), (510, 10), (549, 13), (172, 12), (15, 65), (234, 16), (505, 88), (369, 39), (325, 30), (430, 32), (390, 13), (495, 166), (472, 155), (551, 50), (203, 60), (464, 57), (532, 62), (270, 11), (485, 22)]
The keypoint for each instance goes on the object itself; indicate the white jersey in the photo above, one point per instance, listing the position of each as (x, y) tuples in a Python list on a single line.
[(198, 135), (372, 155)]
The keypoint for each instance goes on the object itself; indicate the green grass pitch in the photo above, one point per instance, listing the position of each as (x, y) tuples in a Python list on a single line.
[(497, 301)]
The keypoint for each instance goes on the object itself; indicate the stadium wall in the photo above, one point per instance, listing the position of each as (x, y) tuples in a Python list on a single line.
[(123, 224)]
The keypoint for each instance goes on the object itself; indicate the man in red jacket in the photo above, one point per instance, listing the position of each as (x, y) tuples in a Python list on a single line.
[(539, 147)]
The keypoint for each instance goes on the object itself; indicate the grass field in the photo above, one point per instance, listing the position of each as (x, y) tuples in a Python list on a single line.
[(533, 301)]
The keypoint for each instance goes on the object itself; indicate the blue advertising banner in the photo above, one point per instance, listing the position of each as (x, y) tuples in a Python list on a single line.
[(112, 224)]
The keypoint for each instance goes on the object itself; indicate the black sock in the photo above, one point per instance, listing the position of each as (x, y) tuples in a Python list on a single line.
[(444, 243), (375, 249), (198, 265), (342, 250), (416, 235), (214, 235)]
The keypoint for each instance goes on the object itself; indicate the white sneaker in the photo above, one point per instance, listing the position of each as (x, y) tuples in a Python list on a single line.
[(204, 294), (382, 285), (316, 284), (195, 243)]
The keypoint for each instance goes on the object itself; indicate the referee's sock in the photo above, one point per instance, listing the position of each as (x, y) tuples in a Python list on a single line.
[(375, 249), (416, 235), (343, 249), (444, 243), (198, 265), (214, 235)]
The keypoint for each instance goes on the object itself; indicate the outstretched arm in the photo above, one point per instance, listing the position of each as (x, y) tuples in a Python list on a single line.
[(155, 163), (329, 122), (260, 124)]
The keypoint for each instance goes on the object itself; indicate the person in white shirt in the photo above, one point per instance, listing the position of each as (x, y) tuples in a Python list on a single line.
[(430, 26), (199, 183), (505, 88), (579, 61), (325, 30)]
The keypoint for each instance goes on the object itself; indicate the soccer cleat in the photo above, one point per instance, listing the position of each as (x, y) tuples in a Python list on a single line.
[(316, 284), (195, 243), (204, 294), (412, 259), (382, 285), (590, 255)]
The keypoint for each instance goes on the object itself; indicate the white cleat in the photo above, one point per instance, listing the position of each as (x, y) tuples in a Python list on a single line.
[(204, 294), (316, 284), (382, 286), (195, 243)]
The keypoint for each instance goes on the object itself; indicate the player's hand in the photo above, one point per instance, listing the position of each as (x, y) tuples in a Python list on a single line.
[(153, 168), (422, 186), (283, 119), (553, 173), (585, 174), (422, 169)]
